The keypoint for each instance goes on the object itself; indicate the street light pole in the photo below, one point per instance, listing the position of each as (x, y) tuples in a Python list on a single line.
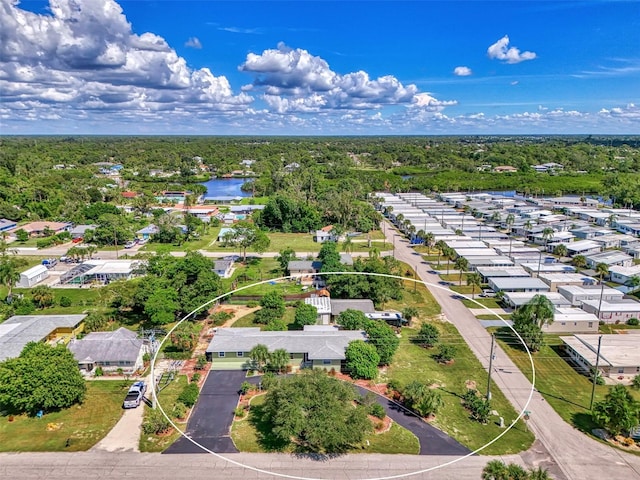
[(595, 373), (491, 355)]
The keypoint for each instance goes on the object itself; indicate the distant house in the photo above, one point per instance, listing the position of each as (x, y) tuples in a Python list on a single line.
[(339, 305), (37, 229), (79, 230), (622, 275), (572, 320), (304, 270), (101, 271), (613, 312), (19, 330), (7, 224), (583, 247), (146, 232), (323, 306), (555, 280), (223, 268), (129, 195), (517, 284), (504, 169), (33, 276), (610, 258), (223, 232), (619, 354), (317, 346), (120, 349), (577, 294), (325, 235)]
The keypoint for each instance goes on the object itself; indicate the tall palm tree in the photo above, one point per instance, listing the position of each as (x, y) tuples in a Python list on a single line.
[(475, 280), (429, 240), (540, 310), (461, 264), (602, 269), (634, 283), (611, 219), (347, 245), (560, 250), (451, 255), (547, 234), (441, 246), (259, 355), (579, 261), (510, 220)]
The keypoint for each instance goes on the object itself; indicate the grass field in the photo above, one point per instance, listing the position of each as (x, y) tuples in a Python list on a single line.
[(416, 295), (81, 425), (412, 362), (167, 398), (247, 320), (566, 390), (252, 435)]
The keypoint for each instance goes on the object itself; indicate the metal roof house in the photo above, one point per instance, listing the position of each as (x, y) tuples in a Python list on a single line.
[(109, 350), (619, 354), (518, 284), (19, 330), (518, 299), (577, 294), (323, 307), (317, 346), (610, 258), (613, 312), (32, 276)]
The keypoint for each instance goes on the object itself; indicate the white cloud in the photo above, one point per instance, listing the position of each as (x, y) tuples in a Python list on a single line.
[(462, 71), (500, 51), (193, 42), (306, 83), (514, 83)]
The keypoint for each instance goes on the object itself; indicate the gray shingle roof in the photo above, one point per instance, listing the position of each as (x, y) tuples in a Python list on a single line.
[(340, 305), (19, 330), (318, 344), (118, 346)]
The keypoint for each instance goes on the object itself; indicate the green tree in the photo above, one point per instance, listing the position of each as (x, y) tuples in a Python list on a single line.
[(351, 319), (602, 269), (246, 235), (316, 411), (446, 353), (362, 360), (428, 335), (383, 338), (162, 306), (422, 399), (579, 261), (495, 470), (305, 315), (185, 336), (475, 280), (95, 322), (285, 256), (278, 360), (619, 412), (409, 313), (21, 235), (461, 264), (42, 296), (10, 270), (259, 355), (41, 378), (560, 250)]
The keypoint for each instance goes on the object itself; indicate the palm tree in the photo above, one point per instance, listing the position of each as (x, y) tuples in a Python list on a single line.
[(560, 250), (510, 221), (279, 360), (496, 217), (259, 355), (547, 234), (634, 283), (399, 220), (494, 470), (540, 310), (420, 234), (347, 245), (9, 274), (539, 474), (450, 253), (602, 269), (475, 280), (461, 264), (441, 246), (579, 261), (429, 240), (611, 219)]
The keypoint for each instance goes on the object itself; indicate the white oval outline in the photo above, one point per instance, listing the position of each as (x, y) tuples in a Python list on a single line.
[(295, 477)]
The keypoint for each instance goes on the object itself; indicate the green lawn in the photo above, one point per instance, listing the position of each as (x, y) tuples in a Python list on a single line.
[(566, 390), (252, 435), (487, 302), (167, 398), (493, 317), (247, 320), (82, 300), (82, 425), (412, 362), (416, 295)]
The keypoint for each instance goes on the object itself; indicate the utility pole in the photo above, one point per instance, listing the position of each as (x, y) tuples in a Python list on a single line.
[(115, 240), (491, 355), (595, 373)]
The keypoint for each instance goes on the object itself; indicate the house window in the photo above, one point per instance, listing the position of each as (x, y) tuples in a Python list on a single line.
[(563, 323), (291, 356), (240, 354), (220, 354), (621, 370), (326, 362), (590, 324)]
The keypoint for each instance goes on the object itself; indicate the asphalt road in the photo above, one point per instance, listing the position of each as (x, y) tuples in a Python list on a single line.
[(574, 455)]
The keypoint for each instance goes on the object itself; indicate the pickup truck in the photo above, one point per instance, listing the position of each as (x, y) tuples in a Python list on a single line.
[(135, 395)]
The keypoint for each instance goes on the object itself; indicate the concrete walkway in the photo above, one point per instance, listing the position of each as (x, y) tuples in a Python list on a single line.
[(125, 436)]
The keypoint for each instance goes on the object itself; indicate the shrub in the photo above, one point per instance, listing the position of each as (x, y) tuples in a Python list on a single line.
[(179, 410), (155, 423), (479, 407), (239, 412), (146, 358), (628, 442), (98, 372), (394, 384), (268, 380), (65, 302), (245, 388), (201, 362), (189, 395), (377, 410), (195, 377), (634, 322), (446, 353), (252, 304)]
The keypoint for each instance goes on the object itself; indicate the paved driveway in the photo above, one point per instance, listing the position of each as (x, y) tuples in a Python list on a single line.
[(210, 421)]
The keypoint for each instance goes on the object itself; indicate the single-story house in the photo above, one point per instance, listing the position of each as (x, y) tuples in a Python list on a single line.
[(146, 232), (223, 231), (621, 274), (572, 320), (619, 354), (6, 225), (317, 346), (325, 235), (518, 299), (615, 312), (223, 268), (78, 230), (103, 271), (19, 330), (222, 199), (490, 272), (632, 249), (554, 280), (583, 247), (37, 229), (490, 261), (32, 276), (577, 294), (517, 284), (304, 270), (323, 306), (339, 305), (609, 258), (534, 268), (109, 350)]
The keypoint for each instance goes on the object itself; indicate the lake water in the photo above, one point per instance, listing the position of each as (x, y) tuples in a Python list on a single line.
[(225, 187)]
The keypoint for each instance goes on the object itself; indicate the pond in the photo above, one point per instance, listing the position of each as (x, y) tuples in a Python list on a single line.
[(227, 187)]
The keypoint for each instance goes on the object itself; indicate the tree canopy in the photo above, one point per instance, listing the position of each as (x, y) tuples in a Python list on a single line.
[(41, 378), (619, 412)]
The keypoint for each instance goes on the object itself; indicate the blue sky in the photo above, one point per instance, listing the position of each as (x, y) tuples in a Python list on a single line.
[(319, 67)]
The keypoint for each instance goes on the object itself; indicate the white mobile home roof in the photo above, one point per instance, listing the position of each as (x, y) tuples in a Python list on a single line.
[(476, 252), (572, 314), (491, 272), (582, 246), (548, 267), (491, 261), (622, 305), (550, 278), (512, 283), (34, 271), (522, 298), (615, 350)]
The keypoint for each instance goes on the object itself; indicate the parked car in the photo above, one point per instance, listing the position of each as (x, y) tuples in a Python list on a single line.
[(130, 244), (135, 395)]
